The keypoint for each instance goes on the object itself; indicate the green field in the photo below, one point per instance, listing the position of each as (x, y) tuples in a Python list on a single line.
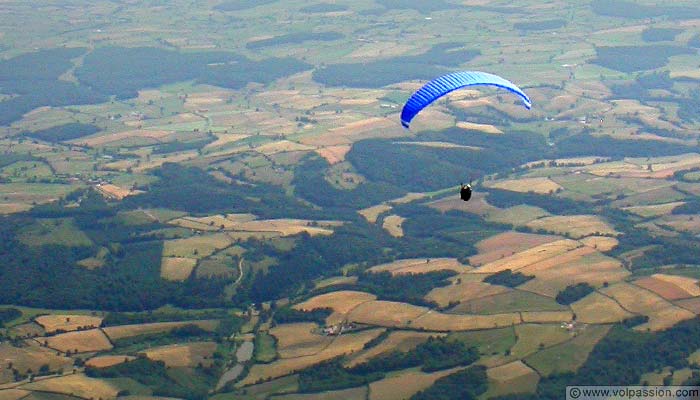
[(265, 347), (509, 302), (567, 356), (54, 232), (533, 338), (489, 342)]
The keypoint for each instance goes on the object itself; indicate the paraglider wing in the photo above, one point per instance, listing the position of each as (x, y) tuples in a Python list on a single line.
[(445, 84)]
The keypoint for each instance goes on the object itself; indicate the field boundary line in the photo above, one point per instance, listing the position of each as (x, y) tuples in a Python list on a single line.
[(660, 296), (616, 302)]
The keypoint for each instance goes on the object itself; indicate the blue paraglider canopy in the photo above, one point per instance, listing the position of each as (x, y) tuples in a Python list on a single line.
[(445, 84)]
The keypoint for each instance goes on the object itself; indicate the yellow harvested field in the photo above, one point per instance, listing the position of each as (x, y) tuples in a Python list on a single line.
[(386, 313), (471, 102), (243, 235), (600, 243), (531, 256), (622, 29), (193, 103), (680, 223), (357, 393), (299, 339), (665, 318), (372, 213), (657, 167), (542, 185), (241, 217), (121, 165), (636, 299), (421, 266), (126, 331), (561, 103), (67, 322), (362, 125), (407, 198), (396, 341), (13, 394), (665, 289), (439, 322), (677, 163), (341, 302), (184, 355), (590, 160), (589, 88), (682, 375), (115, 192), (243, 120), (463, 292), (655, 378), (12, 208), (354, 131), (343, 344), (409, 86), (28, 330), (691, 74), (477, 205), (392, 224), (198, 246), (546, 317), (440, 145), (336, 280), (507, 244), (77, 385), (226, 152), (283, 146), (405, 385), (463, 94), (207, 98), (225, 138), (432, 119), (357, 102), (620, 168), (510, 239), (334, 154), (209, 223), (599, 309), (486, 128), (287, 227), (177, 268), (107, 361), (80, 341), (655, 210), (91, 263), (694, 359), (692, 305), (688, 285), (383, 49), (512, 378), (105, 138), (596, 269), (173, 158), (306, 101), (565, 260), (31, 357), (517, 215), (576, 226)]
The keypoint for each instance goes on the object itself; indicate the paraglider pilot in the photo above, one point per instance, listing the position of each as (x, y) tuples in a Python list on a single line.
[(466, 192)]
